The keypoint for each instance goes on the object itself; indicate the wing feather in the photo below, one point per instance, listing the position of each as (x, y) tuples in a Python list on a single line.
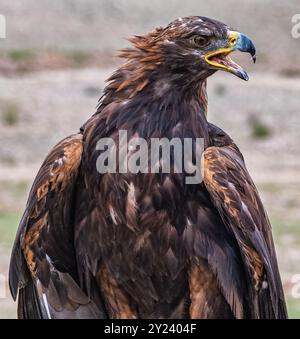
[(236, 198), (43, 266)]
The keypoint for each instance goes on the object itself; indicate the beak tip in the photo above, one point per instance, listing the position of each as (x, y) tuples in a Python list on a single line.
[(244, 44), (243, 75)]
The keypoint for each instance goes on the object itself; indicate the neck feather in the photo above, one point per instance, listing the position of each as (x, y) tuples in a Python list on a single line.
[(152, 102)]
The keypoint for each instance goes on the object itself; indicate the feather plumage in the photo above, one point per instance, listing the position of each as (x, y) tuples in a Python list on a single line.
[(147, 245)]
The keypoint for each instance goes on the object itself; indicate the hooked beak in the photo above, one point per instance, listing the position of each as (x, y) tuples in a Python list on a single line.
[(221, 60)]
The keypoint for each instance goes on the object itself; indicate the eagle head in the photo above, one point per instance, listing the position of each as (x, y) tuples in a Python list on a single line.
[(182, 54), (196, 46), (201, 46)]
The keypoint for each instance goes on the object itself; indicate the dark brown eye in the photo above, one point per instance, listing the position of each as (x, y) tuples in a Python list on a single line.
[(200, 41)]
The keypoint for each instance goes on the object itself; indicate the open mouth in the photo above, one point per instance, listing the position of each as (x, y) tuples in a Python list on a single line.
[(222, 60)]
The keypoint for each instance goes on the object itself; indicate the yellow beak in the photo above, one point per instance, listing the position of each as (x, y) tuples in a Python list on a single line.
[(220, 59)]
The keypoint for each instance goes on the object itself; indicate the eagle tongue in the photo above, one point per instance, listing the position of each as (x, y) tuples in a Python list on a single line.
[(227, 61)]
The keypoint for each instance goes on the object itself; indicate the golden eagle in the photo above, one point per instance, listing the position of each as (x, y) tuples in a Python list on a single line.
[(148, 245)]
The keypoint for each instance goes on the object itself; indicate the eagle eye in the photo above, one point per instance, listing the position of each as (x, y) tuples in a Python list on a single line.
[(199, 40)]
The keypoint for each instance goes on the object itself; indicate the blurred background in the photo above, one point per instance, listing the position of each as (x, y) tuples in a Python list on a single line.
[(53, 63)]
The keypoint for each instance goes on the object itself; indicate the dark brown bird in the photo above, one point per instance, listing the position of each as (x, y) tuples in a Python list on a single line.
[(149, 245)]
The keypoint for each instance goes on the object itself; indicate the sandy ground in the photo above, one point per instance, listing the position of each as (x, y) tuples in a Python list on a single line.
[(51, 105)]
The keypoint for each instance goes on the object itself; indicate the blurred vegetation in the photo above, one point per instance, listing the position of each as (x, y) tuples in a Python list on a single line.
[(13, 195), (20, 54), (10, 114), (293, 308), (290, 72), (79, 58), (259, 129), (8, 226), (220, 89), (283, 227), (8, 160), (15, 61)]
